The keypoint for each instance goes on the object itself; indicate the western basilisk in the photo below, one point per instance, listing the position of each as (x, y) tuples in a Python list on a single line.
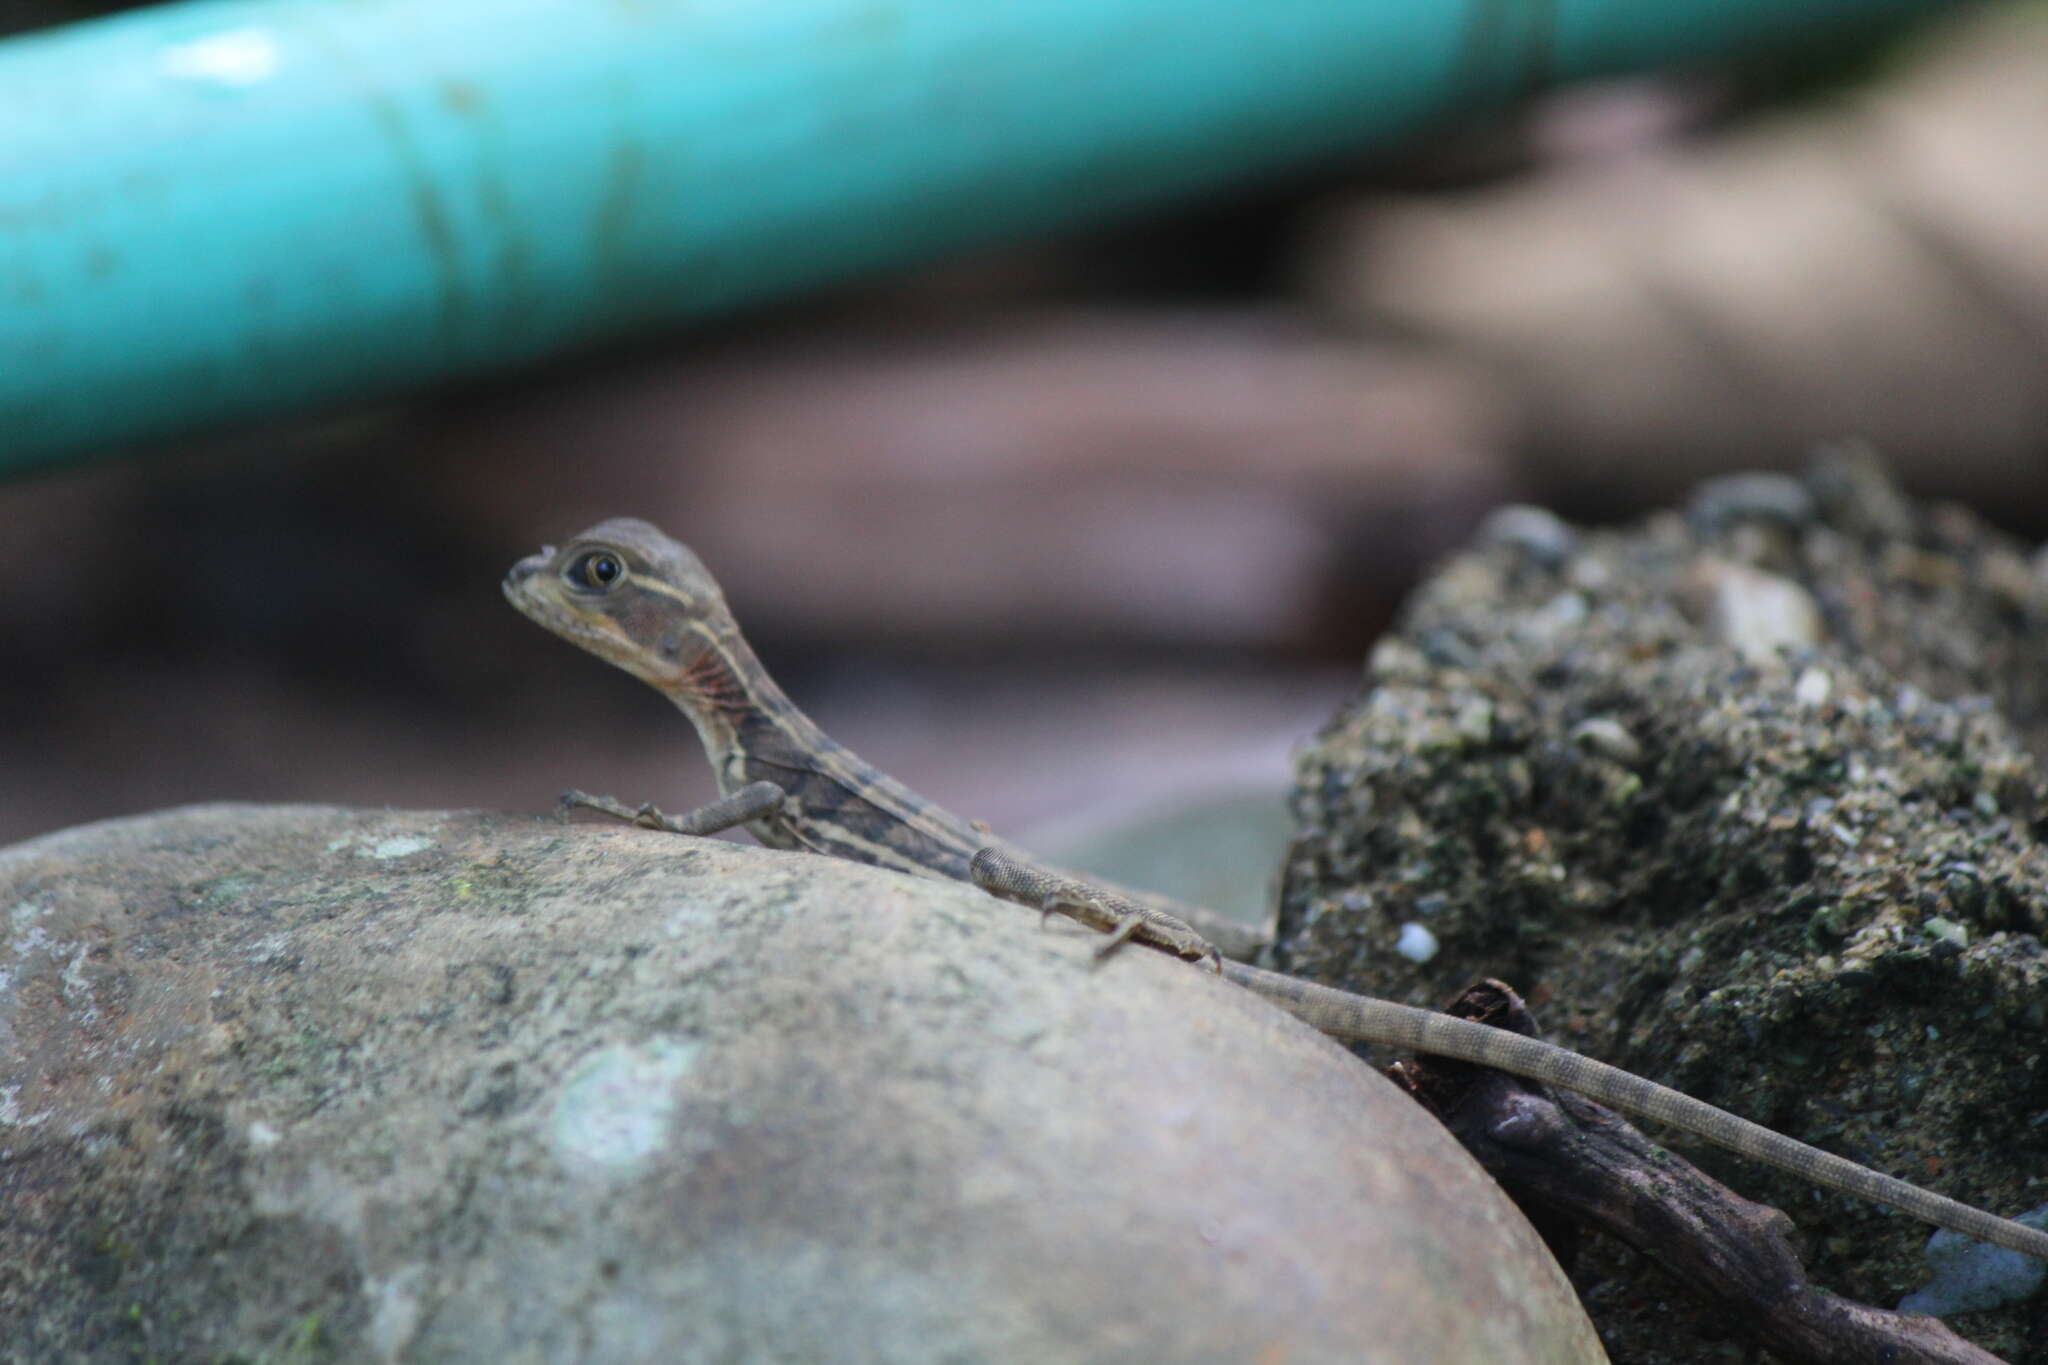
[(637, 599)]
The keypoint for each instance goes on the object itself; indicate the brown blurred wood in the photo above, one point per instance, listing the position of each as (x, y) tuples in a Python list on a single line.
[(1176, 476), (1569, 1163), (1869, 270)]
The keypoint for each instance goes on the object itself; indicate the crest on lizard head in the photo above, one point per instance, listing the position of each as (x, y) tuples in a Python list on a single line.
[(627, 593)]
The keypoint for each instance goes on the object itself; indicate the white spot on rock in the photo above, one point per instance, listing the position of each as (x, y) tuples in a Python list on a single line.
[(1610, 739), (1416, 943), (77, 989), (395, 1311), (1813, 688), (392, 846), (1760, 614), (614, 1109)]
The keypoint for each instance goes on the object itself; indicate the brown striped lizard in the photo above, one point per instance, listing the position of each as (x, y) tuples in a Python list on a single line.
[(635, 598)]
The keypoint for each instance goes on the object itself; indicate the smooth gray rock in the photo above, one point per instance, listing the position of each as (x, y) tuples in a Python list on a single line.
[(313, 1084)]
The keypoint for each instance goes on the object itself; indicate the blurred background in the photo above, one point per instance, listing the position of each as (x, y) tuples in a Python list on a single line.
[(1081, 532)]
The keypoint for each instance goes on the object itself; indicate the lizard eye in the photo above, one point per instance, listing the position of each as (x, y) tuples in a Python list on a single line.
[(595, 571)]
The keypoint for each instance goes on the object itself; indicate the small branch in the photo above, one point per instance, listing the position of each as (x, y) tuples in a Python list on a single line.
[(1568, 1161)]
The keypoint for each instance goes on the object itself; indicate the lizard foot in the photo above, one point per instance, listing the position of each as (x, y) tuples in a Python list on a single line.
[(1115, 915), (605, 805), (748, 803), (1142, 922)]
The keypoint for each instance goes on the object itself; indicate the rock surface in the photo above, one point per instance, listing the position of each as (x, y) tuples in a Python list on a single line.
[(306, 1084), (1747, 801)]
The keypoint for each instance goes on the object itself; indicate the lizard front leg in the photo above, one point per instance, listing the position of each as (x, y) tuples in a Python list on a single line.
[(751, 802), (1118, 916)]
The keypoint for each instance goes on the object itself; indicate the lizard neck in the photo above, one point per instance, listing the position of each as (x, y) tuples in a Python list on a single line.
[(739, 712), (836, 803)]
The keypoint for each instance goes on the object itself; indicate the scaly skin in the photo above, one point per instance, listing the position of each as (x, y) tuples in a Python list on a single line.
[(637, 599)]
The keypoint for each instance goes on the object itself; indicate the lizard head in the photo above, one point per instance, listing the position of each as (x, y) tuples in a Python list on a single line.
[(628, 594)]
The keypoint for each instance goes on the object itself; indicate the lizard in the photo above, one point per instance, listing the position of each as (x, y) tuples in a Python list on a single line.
[(626, 592)]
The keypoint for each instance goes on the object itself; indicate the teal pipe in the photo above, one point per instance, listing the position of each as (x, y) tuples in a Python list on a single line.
[(213, 211)]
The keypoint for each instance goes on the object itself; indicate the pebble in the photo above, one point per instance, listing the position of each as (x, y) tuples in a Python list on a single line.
[(1536, 532), (1813, 688), (1777, 498), (1759, 614), (1416, 943), (1474, 721), (1609, 738), (1948, 931), (1973, 1276)]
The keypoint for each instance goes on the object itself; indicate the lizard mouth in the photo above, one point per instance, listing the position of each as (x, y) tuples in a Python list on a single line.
[(526, 587), (528, 567), (518, 584), (535, 593)]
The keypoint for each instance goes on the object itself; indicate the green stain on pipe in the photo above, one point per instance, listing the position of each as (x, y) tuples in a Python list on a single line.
[(214, 211)]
